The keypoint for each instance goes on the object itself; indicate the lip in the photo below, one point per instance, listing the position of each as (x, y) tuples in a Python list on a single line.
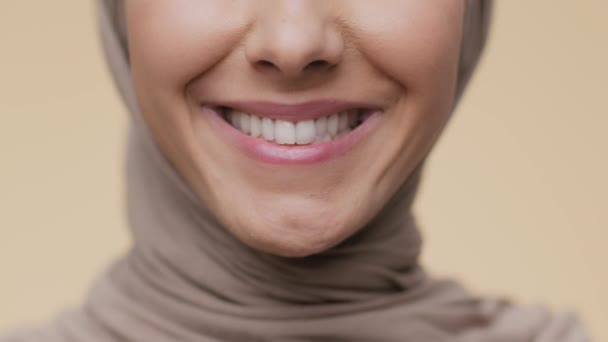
[(294, 112), (268, 152)]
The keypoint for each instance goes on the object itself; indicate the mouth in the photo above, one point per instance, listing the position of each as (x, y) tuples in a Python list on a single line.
[(303, 132), (294, 134)]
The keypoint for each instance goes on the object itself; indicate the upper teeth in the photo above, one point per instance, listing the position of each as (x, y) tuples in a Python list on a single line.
[(302, 132)]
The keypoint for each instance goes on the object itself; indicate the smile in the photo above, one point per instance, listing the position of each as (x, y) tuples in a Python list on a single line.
[(294, 134), (323, 129)]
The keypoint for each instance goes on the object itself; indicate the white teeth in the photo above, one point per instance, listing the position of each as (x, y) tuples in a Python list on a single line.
[(268, 129), (244, 122), (332, 124), (234, 119), (305, 132), (256, 126), (343, 122), (288, 133), (321, 126), (284, 132)]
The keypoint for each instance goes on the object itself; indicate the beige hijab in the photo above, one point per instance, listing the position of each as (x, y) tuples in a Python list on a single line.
[(187, 279)]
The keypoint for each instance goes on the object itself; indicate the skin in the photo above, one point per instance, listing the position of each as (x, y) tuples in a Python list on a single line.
[(400, 54)]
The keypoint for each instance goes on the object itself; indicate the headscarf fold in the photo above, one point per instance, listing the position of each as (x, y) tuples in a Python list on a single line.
[(187, 279)]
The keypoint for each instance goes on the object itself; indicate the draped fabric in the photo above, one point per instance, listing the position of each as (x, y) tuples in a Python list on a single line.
[(187, 279)]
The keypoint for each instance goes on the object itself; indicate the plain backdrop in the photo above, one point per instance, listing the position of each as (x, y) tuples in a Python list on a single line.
[(514, 201)]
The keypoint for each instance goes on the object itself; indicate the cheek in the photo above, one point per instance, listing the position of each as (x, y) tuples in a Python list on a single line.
[(173, 42), (416, 43), (420, 53)]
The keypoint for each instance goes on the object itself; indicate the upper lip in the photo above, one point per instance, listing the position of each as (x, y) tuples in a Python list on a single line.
[(294, 112)]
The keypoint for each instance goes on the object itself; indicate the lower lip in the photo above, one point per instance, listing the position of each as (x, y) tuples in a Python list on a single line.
[(269, 152)]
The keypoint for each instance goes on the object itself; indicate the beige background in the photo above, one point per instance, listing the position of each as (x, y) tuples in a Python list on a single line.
[(514, 202)]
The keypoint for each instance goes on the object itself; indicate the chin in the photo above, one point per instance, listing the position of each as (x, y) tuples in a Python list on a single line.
[(299, 231)]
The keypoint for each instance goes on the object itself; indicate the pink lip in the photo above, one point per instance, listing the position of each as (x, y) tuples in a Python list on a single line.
[(268, 152), (294, 112)]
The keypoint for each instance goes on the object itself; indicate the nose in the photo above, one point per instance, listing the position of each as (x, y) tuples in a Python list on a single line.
[(294, 38)]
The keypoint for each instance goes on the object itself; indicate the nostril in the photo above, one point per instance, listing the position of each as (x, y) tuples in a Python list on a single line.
[(317, 64), (266, 64)]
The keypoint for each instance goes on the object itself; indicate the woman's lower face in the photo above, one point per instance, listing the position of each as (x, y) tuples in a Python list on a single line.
[(294, 121)]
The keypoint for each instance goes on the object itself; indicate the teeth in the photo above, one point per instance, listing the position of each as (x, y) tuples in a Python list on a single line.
[(268, 129), (234, 119), (284, 132), (321, 126), (305, 132), (244, 122), (332, 124), (323, 129), (256, 126), (326, 138), (343, 122)]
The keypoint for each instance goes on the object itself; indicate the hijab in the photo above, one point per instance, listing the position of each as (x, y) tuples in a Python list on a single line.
[(186, 278)]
